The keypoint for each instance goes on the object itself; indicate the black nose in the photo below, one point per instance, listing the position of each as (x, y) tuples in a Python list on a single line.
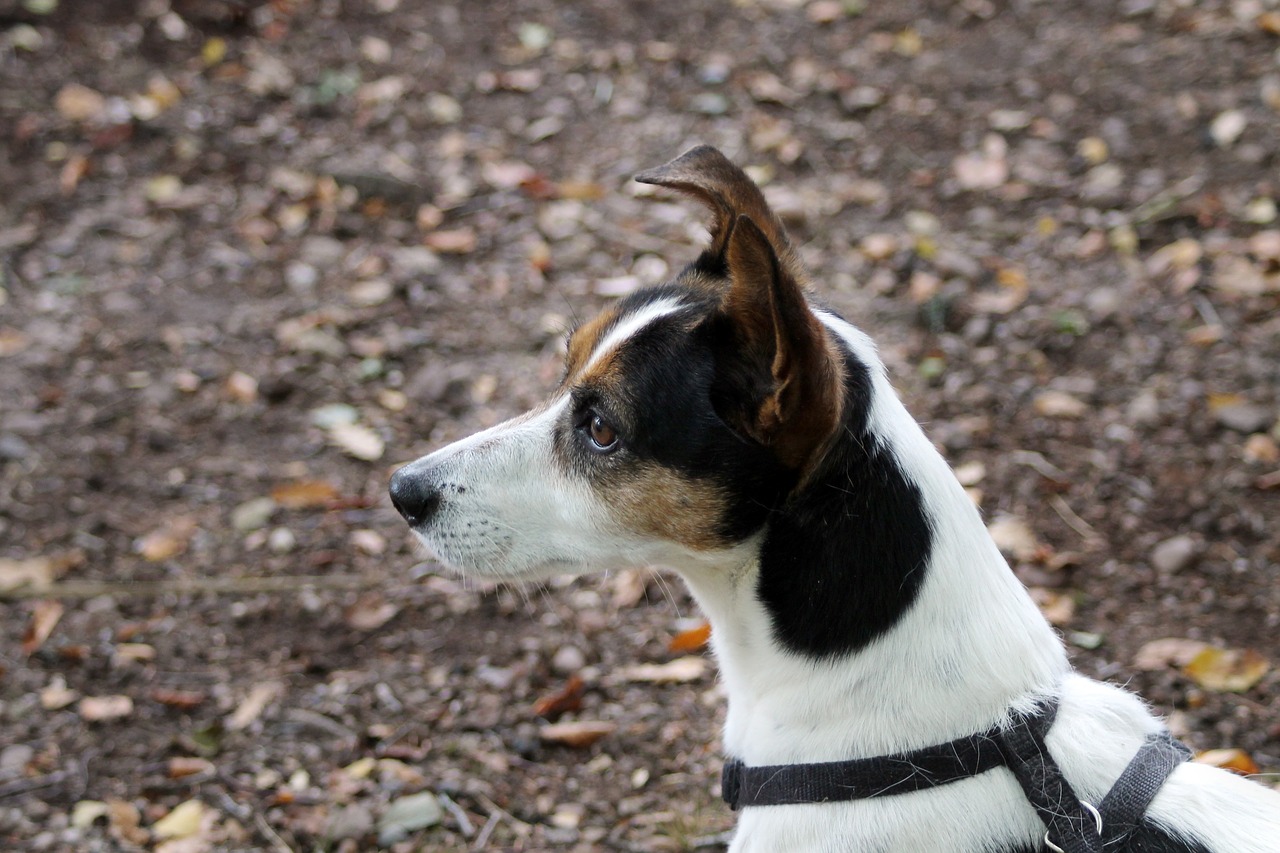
[(414, 498)]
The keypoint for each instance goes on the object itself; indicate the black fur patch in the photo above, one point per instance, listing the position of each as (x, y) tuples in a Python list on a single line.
[(844, 558)]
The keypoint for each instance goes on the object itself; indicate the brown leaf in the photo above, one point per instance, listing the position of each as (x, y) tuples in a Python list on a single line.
[(1170, 651), (567, 698), (183, 700), (370, 613), (304, 494), (260, 695), (38, 573), (125, 822), (44, 616), (167, 541), (690, 640), (1059, 608), (579, 734), (1235, 760), (1227, 670), (457, 241)]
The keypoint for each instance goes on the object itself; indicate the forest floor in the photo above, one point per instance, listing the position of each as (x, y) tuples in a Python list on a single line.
[(253, 259)]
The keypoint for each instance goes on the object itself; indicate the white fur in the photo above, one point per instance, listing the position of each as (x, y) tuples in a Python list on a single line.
[(970, 648)]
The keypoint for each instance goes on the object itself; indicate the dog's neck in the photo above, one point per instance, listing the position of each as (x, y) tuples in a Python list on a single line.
[(951, 641)]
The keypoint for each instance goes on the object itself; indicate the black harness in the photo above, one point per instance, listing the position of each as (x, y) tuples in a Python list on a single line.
[(1072, 825)]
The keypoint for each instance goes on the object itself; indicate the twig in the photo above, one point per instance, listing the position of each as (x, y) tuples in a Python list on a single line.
[(1075, 522), (464, 823), (270, 834), (217, 586), (482, 840), (25, 786)]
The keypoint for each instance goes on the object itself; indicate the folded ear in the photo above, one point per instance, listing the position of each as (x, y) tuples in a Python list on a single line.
[(783, 379), (710, 177)]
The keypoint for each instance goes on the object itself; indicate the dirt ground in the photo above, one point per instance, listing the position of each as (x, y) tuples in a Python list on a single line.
[(252, 256)]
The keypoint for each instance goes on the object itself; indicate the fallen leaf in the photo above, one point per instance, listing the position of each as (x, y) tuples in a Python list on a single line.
[(1227, 670), (358, 441), (304, 494), (184, 820), (183, 766), (181, 699), (1170, 651), (167, 541), (690, 640), (370, 613), (678, 671), (134, 653), (75, 102), (85, 812), (37, 573), (1059, 404), (629, 587), (578, 734), (1058, 607), (260, 695), (1235, 760), (44, 616), (100, 709), (1014, 537), (457, 241), (568, 698), (126, 822), (57, 695)]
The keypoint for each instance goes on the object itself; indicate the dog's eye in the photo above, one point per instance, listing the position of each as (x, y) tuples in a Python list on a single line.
[(601, 436)]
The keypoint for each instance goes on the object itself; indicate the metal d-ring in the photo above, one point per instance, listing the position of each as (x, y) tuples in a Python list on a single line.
[(1097, 819)]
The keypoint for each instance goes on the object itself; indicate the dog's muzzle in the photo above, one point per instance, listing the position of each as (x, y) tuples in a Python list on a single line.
[(414, 497)]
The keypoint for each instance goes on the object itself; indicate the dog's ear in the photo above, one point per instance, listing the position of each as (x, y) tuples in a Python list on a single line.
[(782, 373), (710, 177)]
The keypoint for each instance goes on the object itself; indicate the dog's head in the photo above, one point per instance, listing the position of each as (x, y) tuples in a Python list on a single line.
[(687, 413)]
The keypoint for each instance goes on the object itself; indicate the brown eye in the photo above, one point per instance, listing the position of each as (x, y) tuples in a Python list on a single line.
[(602, 435)]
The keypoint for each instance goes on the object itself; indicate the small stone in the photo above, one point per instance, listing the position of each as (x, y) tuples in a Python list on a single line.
[(351, 821), (253, 514), (367, 294), (1227, 127), (1261, 448), (1242, 417), (15, 758), (281, 540), (417, 811), (301, 277), (1144, 409), (568, 660), (1059, 404), (1174, 554), (75, 102), (879, 247)]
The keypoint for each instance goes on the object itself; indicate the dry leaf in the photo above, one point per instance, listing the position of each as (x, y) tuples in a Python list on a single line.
[(167, 541), (1227, 670), (304, 494), (99, 709), (183, 821), (457, 241), (1235, 760), (568, 698), (370, 613), (44, 616), (1014, 537), (678, 671), (690, 640), (1170, 651), (57, 695), (579, 734), (125, 821), (85, 812), (1059, 608), (358, 441), (38, 573), (182, 766), (629, 587), (260, 695), (1059, 404)]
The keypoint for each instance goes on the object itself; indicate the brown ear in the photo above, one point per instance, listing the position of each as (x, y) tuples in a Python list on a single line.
[(797, 371), (710, 177)]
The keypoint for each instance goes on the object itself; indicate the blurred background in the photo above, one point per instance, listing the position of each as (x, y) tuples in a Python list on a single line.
[(255, 255)]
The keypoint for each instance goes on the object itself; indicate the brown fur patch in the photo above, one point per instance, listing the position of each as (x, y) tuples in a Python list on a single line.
[(583, 342), (657, 501)]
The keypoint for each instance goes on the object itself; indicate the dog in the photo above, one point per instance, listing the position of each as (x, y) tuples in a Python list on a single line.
[(724, 425)]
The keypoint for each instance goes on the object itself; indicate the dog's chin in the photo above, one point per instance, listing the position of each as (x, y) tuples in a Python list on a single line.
[(498, 567)]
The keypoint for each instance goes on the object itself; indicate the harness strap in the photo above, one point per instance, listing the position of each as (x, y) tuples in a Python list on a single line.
[(1071, 827), (1127, 801)]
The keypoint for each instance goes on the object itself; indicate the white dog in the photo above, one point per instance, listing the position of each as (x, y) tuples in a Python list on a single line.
[(892, 688)]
